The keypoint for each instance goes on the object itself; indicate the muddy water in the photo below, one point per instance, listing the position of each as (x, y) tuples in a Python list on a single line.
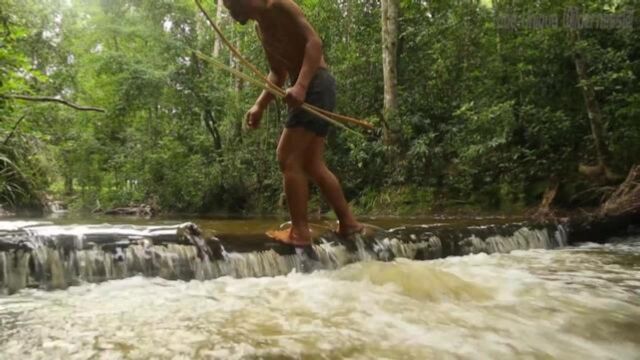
[(577, 303)]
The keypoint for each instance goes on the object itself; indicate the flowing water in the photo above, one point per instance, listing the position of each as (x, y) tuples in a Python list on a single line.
[(570, 303)]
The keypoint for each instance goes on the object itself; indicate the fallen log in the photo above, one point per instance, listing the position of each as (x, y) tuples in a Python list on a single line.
[(626, 199), (618, 216)]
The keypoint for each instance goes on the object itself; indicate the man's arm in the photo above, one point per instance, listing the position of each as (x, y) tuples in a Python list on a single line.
[(277, 77), (254, 115), (313, 47)]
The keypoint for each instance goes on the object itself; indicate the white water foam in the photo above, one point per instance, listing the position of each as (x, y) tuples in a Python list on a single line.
[(564, 304)]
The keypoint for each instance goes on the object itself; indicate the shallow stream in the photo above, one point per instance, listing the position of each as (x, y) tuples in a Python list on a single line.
[(572, 303)]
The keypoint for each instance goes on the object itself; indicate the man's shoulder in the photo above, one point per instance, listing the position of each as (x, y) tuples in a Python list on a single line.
[(276, 3), (282, 5)]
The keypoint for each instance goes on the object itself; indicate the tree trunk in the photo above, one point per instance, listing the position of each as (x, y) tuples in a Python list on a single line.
[(593, 109), (595, 117), (496, 13), (68, 185), (218, 44), (544, 210), (207, 114), (239, 84), (348, 22), (390, 55), (210, 123)]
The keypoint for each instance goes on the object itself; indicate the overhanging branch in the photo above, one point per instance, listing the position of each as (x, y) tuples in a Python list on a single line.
[(15, 127), (55, 100)]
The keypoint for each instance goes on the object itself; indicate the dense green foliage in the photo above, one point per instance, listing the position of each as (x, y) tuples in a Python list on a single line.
[(489, 116)]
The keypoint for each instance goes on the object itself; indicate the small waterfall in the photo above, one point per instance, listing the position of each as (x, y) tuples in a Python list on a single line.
[(15, 268), (55, 257), (523, 239), (57, 207), (422, 250), (433, 242), (561, 236)]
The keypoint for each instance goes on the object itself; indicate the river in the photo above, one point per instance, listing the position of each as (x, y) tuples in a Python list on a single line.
[(572, 303)]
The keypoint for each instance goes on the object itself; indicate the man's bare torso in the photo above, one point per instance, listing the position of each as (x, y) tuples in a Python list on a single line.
[(283, 40)]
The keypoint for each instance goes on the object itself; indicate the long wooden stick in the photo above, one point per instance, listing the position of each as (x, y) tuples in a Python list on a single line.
[(274, 91), (324, 114)]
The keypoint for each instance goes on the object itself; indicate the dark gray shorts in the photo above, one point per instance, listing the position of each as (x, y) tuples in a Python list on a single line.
[(321, 93)]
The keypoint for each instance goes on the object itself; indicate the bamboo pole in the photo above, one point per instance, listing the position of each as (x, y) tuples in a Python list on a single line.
[(323, 114)]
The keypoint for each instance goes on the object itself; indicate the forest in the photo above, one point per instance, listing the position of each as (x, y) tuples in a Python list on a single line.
[(493, 105)]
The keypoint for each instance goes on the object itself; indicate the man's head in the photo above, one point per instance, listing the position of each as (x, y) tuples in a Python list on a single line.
[(242, 10)]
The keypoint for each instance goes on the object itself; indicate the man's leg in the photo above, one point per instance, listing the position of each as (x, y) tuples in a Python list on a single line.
[(316, 168), (294, 142)]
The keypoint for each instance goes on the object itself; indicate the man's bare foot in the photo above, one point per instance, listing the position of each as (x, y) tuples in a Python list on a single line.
[(347, 231), (352, 232), (289, 237)]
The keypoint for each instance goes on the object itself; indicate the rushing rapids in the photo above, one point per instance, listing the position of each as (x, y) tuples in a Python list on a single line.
[(578, 302), (43, 255)]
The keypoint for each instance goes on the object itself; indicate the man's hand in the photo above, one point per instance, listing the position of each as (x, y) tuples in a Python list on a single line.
[(295, 96), (253, 117)]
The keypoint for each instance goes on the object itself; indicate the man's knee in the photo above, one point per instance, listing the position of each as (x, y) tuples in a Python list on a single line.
[(289, 163), (314, 169)]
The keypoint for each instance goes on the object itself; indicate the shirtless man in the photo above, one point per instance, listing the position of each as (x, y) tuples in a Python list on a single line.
[(294, 50)]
